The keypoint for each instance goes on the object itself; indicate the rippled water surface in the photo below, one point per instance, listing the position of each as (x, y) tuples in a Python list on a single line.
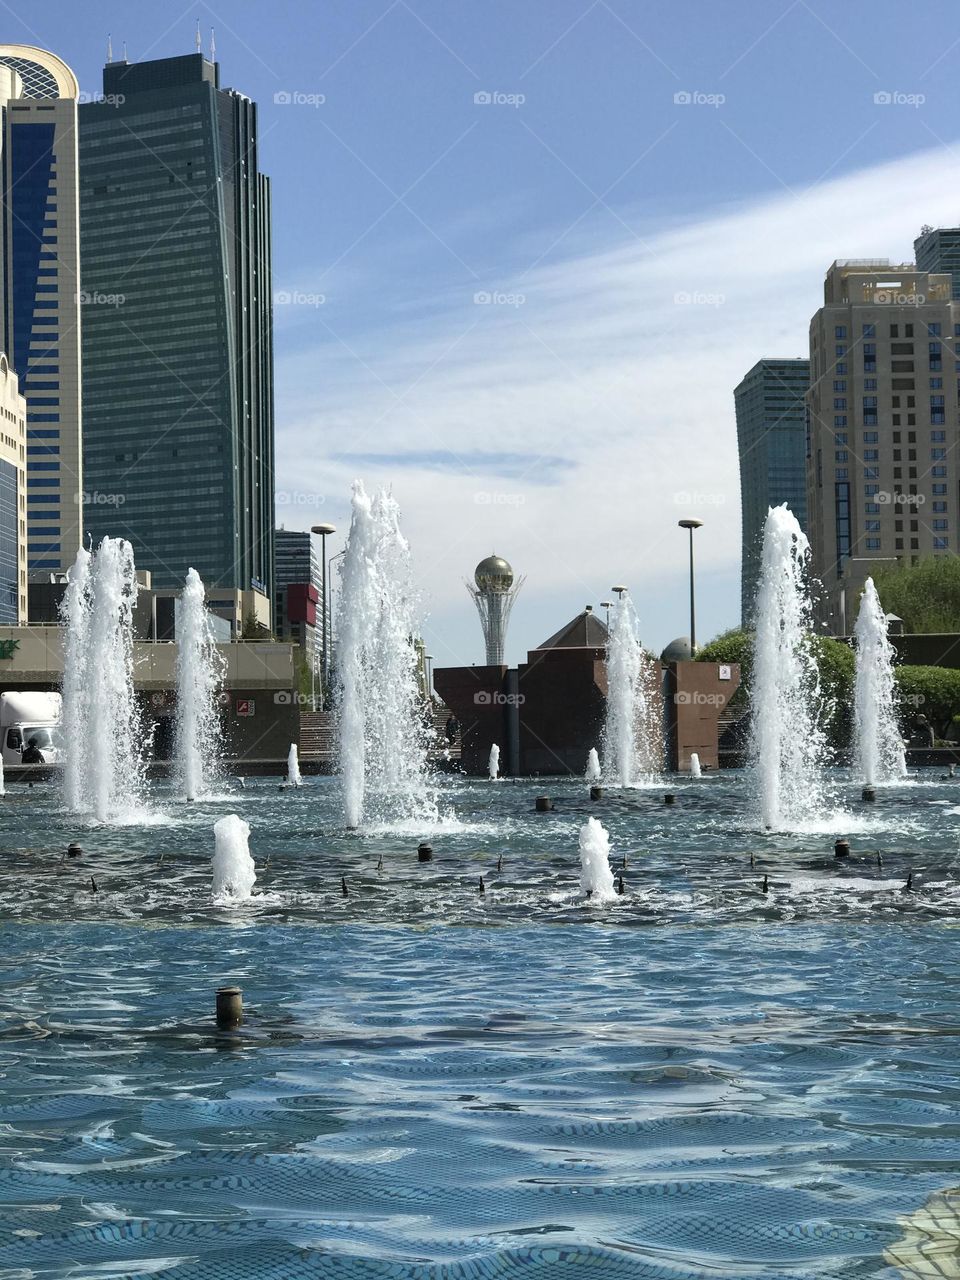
[(698, 1079)]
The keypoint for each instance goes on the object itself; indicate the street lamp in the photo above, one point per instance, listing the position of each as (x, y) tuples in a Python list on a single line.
[(691, 525), (619, 592), (607, 604), (323, 530)]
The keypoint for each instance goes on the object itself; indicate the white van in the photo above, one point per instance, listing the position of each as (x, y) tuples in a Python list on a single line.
[(30, 716)]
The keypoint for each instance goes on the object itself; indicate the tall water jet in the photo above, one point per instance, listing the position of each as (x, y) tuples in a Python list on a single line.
[(293, 767), (234, 871), (632, 738), (878, 748), (382, 737), (200, 672), (102, 729), (592, 772), (695, 770), (493, 764), (596, 878), (787, 742)]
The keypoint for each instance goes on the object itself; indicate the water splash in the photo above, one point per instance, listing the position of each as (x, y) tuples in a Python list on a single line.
[(596, 878), (102, 728), (695, 770), (787, 743), (878, 748), (234, 871), (293, 767), (200, 672), (592, 773), (632, 740), (382, 738), (493, 764)]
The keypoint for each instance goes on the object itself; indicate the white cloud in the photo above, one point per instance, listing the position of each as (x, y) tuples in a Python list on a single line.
[(602, 367)]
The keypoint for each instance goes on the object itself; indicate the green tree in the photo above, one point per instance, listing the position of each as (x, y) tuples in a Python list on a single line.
[(930, 691), (835, 669), (926, 595)]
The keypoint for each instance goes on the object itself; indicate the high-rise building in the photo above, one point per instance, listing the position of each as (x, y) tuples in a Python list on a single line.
[(882, 457), (771, 444), (178, 396), (13, 499), (298, 590), (40, 320), (937, 250)]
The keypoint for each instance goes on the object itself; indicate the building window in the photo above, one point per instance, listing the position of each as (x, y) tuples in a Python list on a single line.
[(937, 454), (841, 370), (872, 526), (842, 473), (840, 420), (840, 437), (873, 544), (939, 504), (839, 404), (941, 524), (936, 384), (869, 330), (870, 489), (934, 471), (939, 488), (840, 385), (933, 330), (871, 437), (940, 544), (871, 455), (872, 508), (840, 331), (869, 384), (937, 437), (870, 473)]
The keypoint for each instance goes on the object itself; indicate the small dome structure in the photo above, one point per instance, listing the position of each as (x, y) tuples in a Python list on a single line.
[(678, 650), (493, 574)]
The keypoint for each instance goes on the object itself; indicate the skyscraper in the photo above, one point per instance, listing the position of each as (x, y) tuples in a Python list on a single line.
[(770, 441), (178, 432), (882, 458), (937, 250), (40, 322)]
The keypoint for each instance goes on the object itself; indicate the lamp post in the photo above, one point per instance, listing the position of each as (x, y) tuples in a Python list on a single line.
[(690, 525), (428, 659), (607, 604), (323, 530)]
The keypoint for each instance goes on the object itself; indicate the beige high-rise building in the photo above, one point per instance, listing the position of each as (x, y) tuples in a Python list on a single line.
[(882, 426), (13, 498)]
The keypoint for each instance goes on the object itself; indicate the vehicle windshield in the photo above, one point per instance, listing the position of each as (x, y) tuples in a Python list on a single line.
[(42, 735)]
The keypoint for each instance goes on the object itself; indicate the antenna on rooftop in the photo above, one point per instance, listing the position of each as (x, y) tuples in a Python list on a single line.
[(109, 47), (199, 40), (213, 46)]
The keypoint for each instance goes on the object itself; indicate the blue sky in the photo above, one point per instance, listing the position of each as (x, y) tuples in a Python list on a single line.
[(529, 313)]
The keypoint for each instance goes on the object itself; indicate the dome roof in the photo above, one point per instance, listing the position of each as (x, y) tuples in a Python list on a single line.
[(677, 650), (493, 574)]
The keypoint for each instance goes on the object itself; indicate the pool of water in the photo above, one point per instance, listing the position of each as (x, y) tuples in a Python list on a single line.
[(697, 1079)]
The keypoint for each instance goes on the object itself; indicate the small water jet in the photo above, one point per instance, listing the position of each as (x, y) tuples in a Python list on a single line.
[(234, 871), (787, 743), (382, 738), (695, 771), (632, 748), (200, 672), (293, 767), (493, 764), (592, 773), (878, 748), (102, 729), (596, 878)]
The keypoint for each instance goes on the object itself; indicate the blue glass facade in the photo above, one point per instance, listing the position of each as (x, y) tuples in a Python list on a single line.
[(178, 390), (30, 177), (771, 440)]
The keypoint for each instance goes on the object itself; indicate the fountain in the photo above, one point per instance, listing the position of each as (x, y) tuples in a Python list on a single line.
[(200, 671), (293, 767), (493, 764), (695, 770), (234, 871), (102, 731), (787, 743), (631, 734), (592, 773), (878, 747), (596, 878), (382, 738)]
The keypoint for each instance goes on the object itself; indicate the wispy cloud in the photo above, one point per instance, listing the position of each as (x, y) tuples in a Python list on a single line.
[(577, 414)]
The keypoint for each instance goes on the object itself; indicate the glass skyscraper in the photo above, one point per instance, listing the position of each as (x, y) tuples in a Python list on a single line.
[(937, 250), (771, 443), (40, 322), (178, 389)]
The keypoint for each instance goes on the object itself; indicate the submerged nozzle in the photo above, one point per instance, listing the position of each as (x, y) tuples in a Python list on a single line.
[(343, 886)]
